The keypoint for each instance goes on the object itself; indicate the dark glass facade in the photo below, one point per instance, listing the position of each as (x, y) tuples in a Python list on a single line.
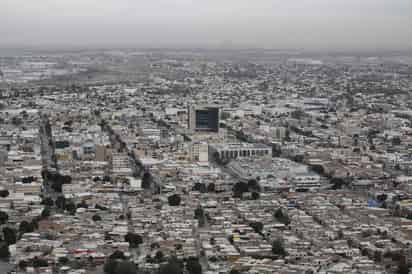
[(207, 119)]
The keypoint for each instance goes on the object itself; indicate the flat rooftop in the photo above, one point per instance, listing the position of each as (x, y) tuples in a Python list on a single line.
[(239, 146)]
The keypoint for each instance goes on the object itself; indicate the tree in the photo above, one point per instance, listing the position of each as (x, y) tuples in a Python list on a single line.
[(4, 193), (4, 251), (255, 195), (58, 181), (63, 260), (83, 204), (45, 174), (201, 187), (211, 187), (159, 257), (133, 239), (4, 217), (70, 207), (46, 212), (298, 158), (47, 201), (318, 169), (16, 121), (338, 183), (287, 136), (57, 186), (231, 239), (355, 138), (97, 206), (281, 217), (96, 218), (125, 267), (147, 180), (193, 266), (66, 179), (297, 114), (28, 180), (277, 248), (257, 227), (199, 213), (26, 227), (396, 141), (35, 222), (172, 267), (403, 268), (38, 262), (174, 200), (382, 197), (9, 235), (377, 256), (110, 266), (253, 185), (117, 255), (239, 188), (61, 202), (23, 264)]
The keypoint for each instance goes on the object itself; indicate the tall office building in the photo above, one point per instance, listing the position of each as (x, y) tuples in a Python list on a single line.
[(199, 152), (203, 119)]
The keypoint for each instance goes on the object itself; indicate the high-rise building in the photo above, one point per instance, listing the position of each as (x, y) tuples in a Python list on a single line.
[(101, 153), (199, 152), (203, 118)]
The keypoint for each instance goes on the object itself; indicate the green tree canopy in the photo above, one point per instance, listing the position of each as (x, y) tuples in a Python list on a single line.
[(47, 201), (147, 180), (117, 255), (171, 268), (193, 266), (4, 217), (4, 193), (61, 202), (125, 267), (9, 235), (4, 251), (46, 212), (133, 239), (174, 200), (96, 218), (278, 248), (257, 227)]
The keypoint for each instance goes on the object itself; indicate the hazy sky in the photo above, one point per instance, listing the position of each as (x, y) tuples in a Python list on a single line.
[(311, 24)]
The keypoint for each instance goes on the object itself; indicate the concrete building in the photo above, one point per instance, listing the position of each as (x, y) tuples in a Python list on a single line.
[(306, 181), (199, 152), (121, 165), (31, 188), (240, 150), (150, 133), (102, 153)]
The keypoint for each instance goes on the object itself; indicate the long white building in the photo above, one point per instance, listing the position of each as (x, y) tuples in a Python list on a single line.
[(240, 150)]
